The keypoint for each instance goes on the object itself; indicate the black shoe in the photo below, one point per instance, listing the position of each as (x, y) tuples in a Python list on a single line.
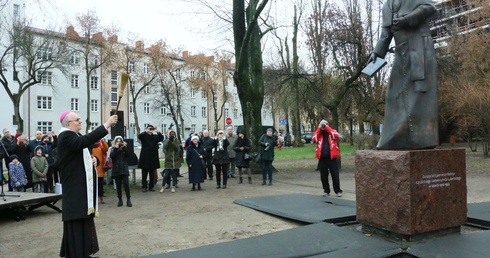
[(218, 187), (199, 188), (119, 203), (224, 187), (180, 175), (263, 183), (144, 190), (152, 190), (210, 178), (193, 188), (129, 204)]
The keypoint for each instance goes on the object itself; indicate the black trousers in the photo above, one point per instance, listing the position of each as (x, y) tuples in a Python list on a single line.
[(122, 180), (144, 175), (329, 165), (221, 170), (209, 167)]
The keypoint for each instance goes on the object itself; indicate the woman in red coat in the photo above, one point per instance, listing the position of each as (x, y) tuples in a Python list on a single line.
[(327, 152)]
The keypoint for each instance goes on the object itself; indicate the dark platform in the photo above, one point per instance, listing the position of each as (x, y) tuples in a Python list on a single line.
[(316, 240), (479, 214), (304, 207), (328, 240), (12, 205), (472, 245)]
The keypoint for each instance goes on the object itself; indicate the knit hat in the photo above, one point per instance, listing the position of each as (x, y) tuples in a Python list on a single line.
[(270, 129), (194, 137), (12, 157), (324, 122), (37, 148)]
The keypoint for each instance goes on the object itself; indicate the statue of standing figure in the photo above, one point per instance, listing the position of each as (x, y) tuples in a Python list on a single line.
[(411, 117)]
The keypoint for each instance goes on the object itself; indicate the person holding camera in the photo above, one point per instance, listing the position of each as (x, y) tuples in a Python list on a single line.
[(327, 153), (173, 160), (221, 159), (149, 160), (120, 171), (267, 142)]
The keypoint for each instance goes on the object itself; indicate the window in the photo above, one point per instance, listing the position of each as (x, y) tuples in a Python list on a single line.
[(45, 126), (131, 110), (74, 81), (193, 93), (74, 104), (94, 126), (44, 103), (145, 68), (227, 112), (45, 77), (235, 97), (114, 77), (164, 129), (163, 110), (193, 127), (146, 108), (113, 96), (94, 105), (193, 110), (16, 12), (131, 67), (45, 53), (235, 113), (192, 74), (94, 82), (202, 75), (204, 128), (203, 112), (95, 60), (75, 58), (178, 74), (203, 94), (147, 89)]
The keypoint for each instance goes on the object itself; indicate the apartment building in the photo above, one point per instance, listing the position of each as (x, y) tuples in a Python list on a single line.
[(70, 89), (457, 17)]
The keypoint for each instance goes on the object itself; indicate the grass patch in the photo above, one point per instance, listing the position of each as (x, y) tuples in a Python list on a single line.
[(308, 152)]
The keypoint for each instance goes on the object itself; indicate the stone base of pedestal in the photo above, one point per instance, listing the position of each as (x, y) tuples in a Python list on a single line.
[(411, 193)]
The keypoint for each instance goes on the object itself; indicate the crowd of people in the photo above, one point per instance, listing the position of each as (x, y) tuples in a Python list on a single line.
[(71, 158)]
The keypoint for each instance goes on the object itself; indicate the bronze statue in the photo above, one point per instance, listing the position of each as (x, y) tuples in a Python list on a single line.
[(410, 119)]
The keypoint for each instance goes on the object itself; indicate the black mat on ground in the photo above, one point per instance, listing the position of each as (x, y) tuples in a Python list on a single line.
[(316, 240), (472, 245), (479, 214), (304, 207)]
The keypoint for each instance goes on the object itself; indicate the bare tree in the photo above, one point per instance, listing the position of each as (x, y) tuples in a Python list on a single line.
[(248, 74), (96, 51), (32, 55), (212, 77)]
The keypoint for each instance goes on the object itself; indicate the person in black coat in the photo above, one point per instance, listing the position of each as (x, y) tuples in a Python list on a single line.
[(195, 161), (221, 159), (207, 142), (78, 177), (149, 160), (242, 147), (120, 169)]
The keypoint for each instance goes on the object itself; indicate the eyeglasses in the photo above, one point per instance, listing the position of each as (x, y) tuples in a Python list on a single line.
[(76, 120)]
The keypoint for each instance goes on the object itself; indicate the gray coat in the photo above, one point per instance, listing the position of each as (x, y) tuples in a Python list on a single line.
[(410, 119)]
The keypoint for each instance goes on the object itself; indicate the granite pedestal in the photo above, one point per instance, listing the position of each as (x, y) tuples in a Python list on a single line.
[(411, 193)]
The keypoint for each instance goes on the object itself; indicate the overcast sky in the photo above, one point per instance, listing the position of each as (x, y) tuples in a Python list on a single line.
[(181, 23)]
